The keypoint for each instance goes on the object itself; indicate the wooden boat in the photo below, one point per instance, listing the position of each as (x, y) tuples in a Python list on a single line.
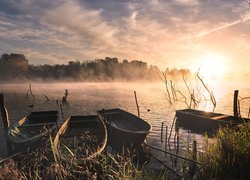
[(124, 128), (200, 121), (81, 137), (33, 127)]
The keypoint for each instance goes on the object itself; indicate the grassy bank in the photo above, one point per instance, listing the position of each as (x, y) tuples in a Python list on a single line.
[(228, 156), (49, 162)]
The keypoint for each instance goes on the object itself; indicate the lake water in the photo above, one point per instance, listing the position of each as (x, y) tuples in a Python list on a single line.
[(87, 98)]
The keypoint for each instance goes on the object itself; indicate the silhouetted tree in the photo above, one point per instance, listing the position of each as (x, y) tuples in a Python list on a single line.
[(16, 65), (13, 66)]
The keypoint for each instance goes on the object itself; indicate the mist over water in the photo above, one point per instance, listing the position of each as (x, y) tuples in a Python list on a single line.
[(87, 98)]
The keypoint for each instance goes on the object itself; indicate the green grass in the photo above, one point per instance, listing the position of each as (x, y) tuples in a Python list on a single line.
[(228, 155)]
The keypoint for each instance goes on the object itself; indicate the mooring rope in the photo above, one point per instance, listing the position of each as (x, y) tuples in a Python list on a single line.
[(181, 157), (166, 166), (10, 157)]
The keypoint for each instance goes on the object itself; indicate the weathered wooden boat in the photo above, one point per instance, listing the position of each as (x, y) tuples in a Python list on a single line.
[(81, 137), (32, 127), (200, 121), (124, 128)]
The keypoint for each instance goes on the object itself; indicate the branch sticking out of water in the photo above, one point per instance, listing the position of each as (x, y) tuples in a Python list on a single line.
[(31, 92), (183, 97), (64, 98), (46, 97), (164, 79), (192, 95), (212, 98), (244, 98), (173, 90)]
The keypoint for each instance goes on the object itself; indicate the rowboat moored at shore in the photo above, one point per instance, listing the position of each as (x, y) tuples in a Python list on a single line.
[(81, 137), (124, 128), (33, 127), (198, 120)]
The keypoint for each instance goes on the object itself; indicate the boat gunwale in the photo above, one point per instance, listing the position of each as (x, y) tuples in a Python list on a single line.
[(64, 127), (127, 130), (192, 112)]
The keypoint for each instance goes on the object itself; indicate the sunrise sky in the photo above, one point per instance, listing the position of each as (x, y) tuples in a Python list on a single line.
[(213, 35)]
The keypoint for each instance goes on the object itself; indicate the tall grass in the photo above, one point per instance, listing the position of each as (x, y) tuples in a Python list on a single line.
[(228, 156), (48, 162)]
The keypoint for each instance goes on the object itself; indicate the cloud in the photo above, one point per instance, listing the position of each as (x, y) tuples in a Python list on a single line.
[(165, 33), (73, 19), (187, 2)]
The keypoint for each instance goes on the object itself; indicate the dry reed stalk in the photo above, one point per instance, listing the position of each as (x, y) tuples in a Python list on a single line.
[(30, 90), (164, 79), (212, 98)]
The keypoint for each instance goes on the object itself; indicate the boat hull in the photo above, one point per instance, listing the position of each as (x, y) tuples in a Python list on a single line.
[(124, 129), (119, 139), (201, 121)]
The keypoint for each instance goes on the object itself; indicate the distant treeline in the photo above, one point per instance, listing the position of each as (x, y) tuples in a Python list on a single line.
[(16, 66)]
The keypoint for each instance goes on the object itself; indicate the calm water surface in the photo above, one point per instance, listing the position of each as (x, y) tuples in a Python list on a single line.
[(87, 98)]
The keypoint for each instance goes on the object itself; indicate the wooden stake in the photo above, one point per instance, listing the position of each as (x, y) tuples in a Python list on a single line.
[(239, 114), (235, 108), (137, 106), (248, 113), (62, 111), (193, 165), (171, 129), (162, 131), (31, 92), (166, 139), (4, 113)]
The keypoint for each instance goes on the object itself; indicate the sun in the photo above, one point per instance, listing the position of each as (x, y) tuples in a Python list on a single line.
[(212, 66)]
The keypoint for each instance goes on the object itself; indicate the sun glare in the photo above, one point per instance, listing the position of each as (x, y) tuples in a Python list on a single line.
[(212, 66)]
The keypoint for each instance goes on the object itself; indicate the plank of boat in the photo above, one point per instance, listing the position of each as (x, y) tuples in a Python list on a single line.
[(81, 137)]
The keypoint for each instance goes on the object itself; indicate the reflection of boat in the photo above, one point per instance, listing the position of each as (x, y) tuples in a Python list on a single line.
[(81, 136), (201, 121), (124, 128), (33, 127)]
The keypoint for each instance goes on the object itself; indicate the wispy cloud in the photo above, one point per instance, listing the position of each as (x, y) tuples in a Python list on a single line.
[(166, 33)]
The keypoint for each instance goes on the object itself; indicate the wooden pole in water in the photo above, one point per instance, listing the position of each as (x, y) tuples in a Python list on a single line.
[(194, 157), (235, 108), (4, 113), (6, 123), (138, 110), (166, 139), (62, 111), (162, 131)]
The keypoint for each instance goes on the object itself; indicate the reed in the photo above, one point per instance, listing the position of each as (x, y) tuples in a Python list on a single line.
[(228, 155), (48, 162)]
